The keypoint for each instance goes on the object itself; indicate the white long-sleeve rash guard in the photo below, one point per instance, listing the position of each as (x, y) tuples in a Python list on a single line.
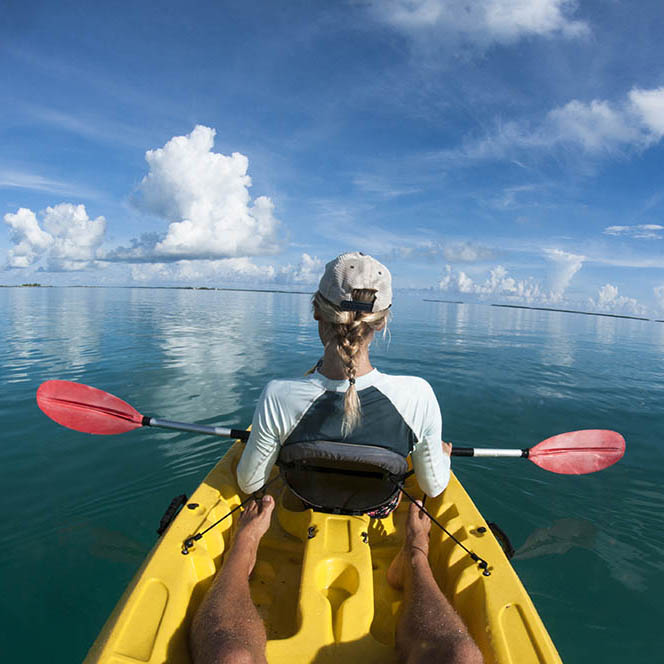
[(398, 412)]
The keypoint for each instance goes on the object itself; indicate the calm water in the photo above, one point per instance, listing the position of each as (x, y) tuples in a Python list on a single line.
[(80, 511)]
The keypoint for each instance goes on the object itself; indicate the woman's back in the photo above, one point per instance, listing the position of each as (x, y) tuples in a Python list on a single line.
[(399, 413)]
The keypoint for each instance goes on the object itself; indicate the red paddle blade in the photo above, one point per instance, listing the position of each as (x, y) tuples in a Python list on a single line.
[(86, 408), (579, 452)]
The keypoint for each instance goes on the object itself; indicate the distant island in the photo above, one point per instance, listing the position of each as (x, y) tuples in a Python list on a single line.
[(25, 286), (569, 311), (445, 301), (208, 288)]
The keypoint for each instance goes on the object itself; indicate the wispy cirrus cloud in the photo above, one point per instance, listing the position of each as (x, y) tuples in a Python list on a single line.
[(382, 187), (13, 179), (480, 23), (418, 244), (94, 127), (598, 128), (639, 231)]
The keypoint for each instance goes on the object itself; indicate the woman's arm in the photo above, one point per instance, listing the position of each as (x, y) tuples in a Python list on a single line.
[(262, 448), (431, 456)]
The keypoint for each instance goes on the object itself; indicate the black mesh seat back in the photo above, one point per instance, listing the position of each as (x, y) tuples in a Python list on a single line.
[(343, 478)]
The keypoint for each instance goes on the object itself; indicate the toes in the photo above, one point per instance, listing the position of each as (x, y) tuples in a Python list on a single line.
[(267, 501)]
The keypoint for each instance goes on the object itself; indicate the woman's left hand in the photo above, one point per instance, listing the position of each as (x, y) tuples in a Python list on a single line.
[(447, 448)]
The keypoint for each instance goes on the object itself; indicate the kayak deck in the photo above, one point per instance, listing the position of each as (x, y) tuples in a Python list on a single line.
[(320, 582)]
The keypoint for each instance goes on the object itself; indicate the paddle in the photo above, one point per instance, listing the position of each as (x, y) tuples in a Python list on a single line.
[(90, 410)]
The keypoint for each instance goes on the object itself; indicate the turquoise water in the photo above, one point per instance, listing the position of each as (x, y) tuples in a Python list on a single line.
[(79, 512)]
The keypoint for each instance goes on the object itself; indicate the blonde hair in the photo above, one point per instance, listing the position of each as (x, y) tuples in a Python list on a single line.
[(348, 330)]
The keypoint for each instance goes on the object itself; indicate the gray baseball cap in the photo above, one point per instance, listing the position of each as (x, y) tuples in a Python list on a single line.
[(356, 270)]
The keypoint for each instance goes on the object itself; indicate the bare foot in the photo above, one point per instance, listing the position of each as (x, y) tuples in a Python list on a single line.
[(416, 544), (252, 525)]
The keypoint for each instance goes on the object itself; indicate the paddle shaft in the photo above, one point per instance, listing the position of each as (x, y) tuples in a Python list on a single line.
[(243, 434)]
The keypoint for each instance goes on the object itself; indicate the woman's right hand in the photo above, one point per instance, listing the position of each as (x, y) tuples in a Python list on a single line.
[(447, 448)]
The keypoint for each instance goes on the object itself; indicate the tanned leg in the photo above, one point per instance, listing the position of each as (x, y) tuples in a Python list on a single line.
[(429, 630), (227, 628)]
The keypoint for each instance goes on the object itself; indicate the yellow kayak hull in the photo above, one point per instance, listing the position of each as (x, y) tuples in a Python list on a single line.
[(319, 583)]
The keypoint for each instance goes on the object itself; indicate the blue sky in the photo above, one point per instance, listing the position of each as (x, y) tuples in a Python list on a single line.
[(502, 150)]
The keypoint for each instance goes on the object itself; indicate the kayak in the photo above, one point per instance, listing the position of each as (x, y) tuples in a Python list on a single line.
[(320, 581)]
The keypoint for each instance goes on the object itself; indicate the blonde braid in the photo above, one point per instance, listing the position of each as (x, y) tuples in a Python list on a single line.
[(349, 330), (349, 341)]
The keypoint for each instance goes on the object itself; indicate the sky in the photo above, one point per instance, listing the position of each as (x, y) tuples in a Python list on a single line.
[(504, 151)]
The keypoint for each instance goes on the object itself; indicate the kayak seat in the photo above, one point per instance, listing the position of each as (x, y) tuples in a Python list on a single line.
[(342, 478)]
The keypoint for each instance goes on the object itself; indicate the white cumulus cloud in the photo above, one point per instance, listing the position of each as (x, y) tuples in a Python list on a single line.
[(240, 270), (29, 240), (308, 271), (481, 22), (562, 268), (66, 237), (659, 296), (609, 300), (498, 283), (203, 271), (565, 266), (204, 195)]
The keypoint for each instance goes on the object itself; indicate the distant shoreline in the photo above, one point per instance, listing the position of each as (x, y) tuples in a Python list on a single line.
[(197, 288), (445, 301), (564, 311), (570, 311)]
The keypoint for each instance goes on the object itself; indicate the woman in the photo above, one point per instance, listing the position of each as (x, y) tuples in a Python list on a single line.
[(345, 398)]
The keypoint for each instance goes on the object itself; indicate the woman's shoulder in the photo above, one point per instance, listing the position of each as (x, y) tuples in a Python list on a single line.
[(282, 387), (404, 382)]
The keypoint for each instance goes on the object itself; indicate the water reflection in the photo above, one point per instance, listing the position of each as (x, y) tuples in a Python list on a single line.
[(216, 350), (559, 349), (208, 340), (605, 330), (658, 335), (453, 319), (58, 327)]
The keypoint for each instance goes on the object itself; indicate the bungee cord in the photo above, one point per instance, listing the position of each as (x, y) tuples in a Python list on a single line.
[(481, 563), (257, 495)]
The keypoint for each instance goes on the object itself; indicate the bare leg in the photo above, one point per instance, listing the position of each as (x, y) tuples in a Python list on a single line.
[(429, 629), (227, 628)]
